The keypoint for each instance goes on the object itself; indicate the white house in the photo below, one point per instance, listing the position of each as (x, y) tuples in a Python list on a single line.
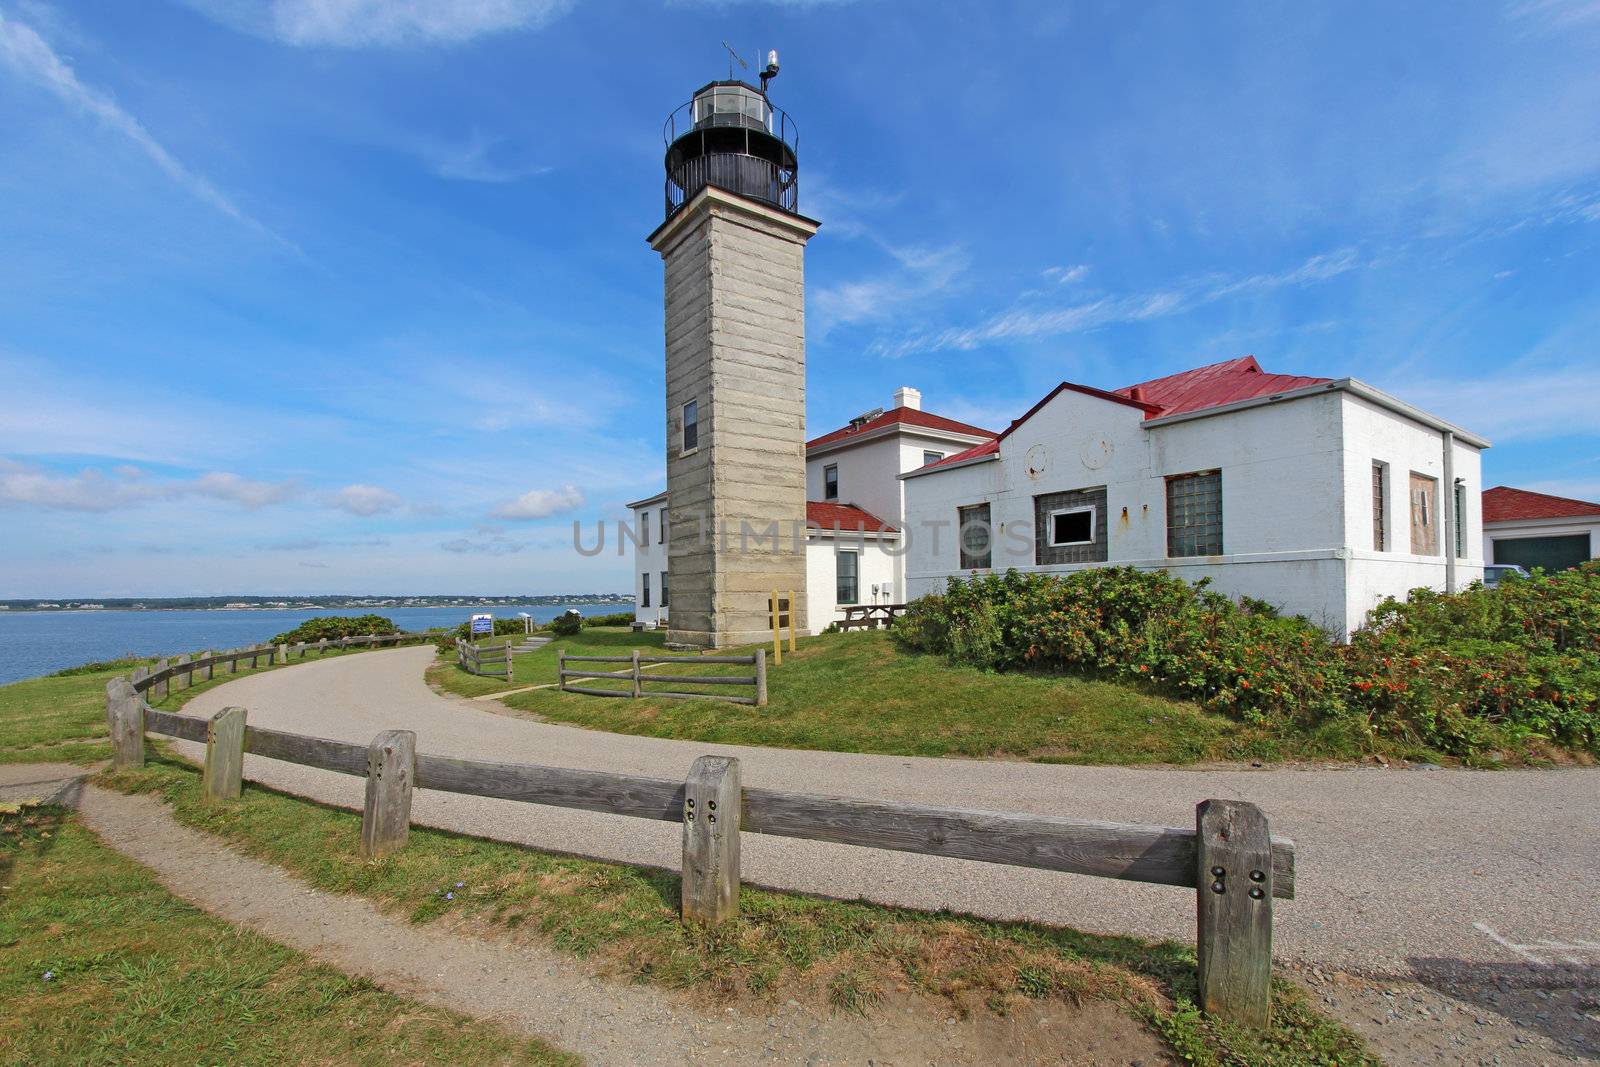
[(854, 511), (1539, 530), (1319, 496)]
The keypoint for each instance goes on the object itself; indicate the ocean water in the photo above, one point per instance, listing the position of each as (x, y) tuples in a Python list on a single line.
[(40, 642)]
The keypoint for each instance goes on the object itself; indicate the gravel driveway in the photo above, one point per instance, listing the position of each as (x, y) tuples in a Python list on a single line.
[(1456, 873)]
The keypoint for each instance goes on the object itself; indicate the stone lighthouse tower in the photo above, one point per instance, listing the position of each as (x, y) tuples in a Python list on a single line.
[(733, 245)]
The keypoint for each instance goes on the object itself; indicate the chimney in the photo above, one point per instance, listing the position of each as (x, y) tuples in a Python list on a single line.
[(907, 397)]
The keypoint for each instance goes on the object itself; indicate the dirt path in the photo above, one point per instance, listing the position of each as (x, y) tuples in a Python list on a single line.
[(543, 993)]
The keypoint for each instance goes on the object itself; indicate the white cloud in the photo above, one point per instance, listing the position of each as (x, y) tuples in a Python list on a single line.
[(1068, 275), (1133, 307), (498, 545), (484, 159), (125, 487), (365, 500), (379, 23), (922, 272), (541, 503), (29, 56)]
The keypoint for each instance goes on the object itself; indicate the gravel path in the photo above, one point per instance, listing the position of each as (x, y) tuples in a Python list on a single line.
[(1401, 872)]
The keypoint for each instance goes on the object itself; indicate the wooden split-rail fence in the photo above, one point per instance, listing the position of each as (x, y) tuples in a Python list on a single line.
[(1228, 860), (633, 675), (160, 676), (490, 661)]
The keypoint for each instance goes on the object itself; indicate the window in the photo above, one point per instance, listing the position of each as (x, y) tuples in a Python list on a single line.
[(1074, 526), (1380, 511), (830, 482), (644, 589), (644, 529), (847, 589), (1194, 514), (1459, 511), (661, 539), (1424, 515), (663, 588), (1070, 527), (691, 426), (975, 538), (931, 457)]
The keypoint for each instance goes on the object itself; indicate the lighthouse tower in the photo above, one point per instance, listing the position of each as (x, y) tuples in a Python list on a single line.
[(733, 245)]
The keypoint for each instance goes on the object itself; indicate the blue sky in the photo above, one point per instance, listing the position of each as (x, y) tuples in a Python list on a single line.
[(348, 296)]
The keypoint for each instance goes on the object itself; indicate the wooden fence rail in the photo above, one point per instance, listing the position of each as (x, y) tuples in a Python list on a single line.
[(635, 677), (1229, 859), (158, 677), (490, 661)]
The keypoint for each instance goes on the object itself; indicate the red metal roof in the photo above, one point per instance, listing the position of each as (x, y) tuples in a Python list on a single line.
[(988, 448), (1214, 385), (1505, 504), (847, 517), (903, 416)]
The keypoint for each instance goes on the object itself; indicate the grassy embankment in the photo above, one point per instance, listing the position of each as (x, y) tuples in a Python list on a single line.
[(102, 965), (860, 693), (539, 666)]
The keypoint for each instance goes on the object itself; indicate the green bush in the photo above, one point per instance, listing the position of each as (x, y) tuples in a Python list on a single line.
[(1458, 673), (614, 618), (566, 624), (333, 627)]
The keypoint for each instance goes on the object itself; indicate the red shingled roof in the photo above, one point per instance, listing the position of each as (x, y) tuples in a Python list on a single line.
[(847, 517), (1505, 504), (1192, 390), (1213, 385), (903, 416)]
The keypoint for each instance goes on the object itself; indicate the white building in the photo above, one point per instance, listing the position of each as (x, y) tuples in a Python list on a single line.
[(1539, 530), (1318, 496), (854, 511)]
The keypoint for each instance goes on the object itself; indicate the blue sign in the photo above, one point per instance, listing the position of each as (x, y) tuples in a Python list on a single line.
[(483, 624)]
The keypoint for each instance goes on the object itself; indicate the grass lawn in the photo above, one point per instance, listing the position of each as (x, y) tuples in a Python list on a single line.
[(61, 718), (623, 921), (539, 666), (137, 976), (858, 692)]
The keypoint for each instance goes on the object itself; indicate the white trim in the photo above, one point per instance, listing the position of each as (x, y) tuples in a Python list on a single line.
[(907, 428), (948, 466), (1499, 525), (1050, 528), (659, 498)]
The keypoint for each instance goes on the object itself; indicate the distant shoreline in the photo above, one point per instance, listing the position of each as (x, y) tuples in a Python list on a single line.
[(364, 604)]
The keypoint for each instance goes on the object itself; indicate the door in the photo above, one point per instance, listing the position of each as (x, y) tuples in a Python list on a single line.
[(1551, 553), (1424, 515)]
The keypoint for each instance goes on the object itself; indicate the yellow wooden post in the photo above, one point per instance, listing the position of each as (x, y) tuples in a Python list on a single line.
[(791, 620), (777, 635)]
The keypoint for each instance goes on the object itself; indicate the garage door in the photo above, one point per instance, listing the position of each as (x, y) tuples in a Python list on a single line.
[(1551, 553)]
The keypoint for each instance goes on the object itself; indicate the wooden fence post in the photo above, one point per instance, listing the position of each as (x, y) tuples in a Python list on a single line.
[(561, 670), (638, 682), (125, 712), (777, 634), (159, 690), (322, 647), (1234, 886), (187, 671), (391, 770), (792, 614), (711, 805), (283, 655), (761, 677), (224, 770), (508, 659)]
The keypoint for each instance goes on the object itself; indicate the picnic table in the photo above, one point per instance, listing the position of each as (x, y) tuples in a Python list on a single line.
[(869, 616)]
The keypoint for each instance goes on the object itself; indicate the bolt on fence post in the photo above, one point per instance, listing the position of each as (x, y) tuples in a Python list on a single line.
[(125, 713), (1234, 920), (761, 677), (638, 683), (712, 800), (224, 769), (391, 771)]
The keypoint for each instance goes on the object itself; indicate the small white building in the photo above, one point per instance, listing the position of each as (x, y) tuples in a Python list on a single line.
[(854, 511), (1539, 530), (1318, 496)]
